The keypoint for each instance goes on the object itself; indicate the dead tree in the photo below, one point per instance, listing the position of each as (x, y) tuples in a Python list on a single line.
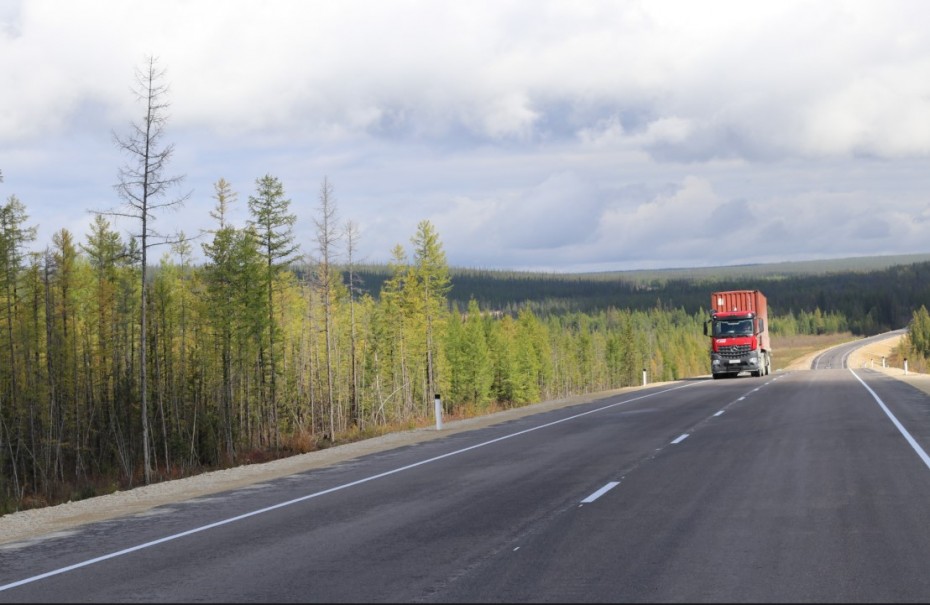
[(143, 187)]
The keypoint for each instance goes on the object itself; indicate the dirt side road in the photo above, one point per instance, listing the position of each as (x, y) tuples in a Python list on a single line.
[(44, 522)]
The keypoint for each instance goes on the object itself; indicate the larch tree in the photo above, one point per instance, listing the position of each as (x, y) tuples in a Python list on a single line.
[(233, 264), (184, 253), (225, 197), (14, 234), (273, 225), (144, 187), (61, 285), (432, 275), (533, 357), (392, 326), (351, 238), (918, 331), (327, 237), (221, 274), (477, 369), (107, 253)]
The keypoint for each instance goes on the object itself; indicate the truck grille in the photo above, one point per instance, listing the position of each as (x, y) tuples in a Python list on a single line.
[(733, 351)]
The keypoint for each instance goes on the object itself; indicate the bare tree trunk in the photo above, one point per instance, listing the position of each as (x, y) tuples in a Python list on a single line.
[(326, 238), (351, 240), (142, 182)]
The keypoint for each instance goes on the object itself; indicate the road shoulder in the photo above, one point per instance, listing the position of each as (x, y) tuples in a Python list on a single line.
[(875, 356)]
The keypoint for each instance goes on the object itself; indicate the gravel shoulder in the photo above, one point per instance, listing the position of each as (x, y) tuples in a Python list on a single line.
[(32, 524)]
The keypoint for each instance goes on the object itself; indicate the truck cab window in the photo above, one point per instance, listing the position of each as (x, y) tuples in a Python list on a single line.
[(734, 328)]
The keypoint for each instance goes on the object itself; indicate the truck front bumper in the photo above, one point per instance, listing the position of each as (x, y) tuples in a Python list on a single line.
[(734, 365)]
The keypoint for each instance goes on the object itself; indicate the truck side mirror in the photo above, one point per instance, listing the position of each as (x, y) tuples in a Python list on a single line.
[(761, 326)]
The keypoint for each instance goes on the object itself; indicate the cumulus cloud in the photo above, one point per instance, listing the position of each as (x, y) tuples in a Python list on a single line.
[(832, 78), (546, 133)]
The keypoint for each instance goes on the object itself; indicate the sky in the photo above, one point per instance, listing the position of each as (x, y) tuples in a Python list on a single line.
[(533, 135)]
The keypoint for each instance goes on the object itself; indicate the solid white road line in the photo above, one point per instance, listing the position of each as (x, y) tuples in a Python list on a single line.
[(920, 451)]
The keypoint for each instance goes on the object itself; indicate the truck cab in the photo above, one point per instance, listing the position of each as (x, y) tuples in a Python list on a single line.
[(737, 344)]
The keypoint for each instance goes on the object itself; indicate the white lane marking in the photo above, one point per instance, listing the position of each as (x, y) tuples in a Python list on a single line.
[(680, 438), (741, 398), (920, 451), (260, 511), (600, 492), (720, 413)]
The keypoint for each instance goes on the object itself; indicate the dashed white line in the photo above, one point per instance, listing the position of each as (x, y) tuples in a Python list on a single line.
[(681, 438), (720, 413), (600, 492)]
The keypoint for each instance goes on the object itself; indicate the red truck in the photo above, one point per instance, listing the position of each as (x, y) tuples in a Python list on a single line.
[(739, 332)]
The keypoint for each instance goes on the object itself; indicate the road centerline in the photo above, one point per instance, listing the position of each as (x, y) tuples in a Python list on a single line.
[(600, 492)]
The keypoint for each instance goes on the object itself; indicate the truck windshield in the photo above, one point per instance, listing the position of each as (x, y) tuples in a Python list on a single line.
[(735, 327)]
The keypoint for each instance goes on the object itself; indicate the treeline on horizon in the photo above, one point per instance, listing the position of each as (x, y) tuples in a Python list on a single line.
[(867, 302)]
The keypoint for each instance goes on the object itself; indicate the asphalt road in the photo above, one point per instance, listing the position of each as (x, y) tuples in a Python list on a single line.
[(798, 486), (838, 356)]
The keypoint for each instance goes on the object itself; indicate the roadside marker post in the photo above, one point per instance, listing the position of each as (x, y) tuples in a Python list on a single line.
[(438, 408)]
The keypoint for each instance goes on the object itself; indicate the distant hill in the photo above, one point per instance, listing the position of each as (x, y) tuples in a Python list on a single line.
[(873, 293), (857, 264)]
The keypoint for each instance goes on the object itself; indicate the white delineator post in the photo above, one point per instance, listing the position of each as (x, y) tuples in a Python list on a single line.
[(905, 366), (438, 407), (644, 376)]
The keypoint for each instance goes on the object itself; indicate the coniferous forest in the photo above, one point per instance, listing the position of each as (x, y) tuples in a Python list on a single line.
[(249, 357), (118, 368)]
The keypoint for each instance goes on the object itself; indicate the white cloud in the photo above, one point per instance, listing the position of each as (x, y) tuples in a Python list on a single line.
[(520, 127), (664, 226)]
